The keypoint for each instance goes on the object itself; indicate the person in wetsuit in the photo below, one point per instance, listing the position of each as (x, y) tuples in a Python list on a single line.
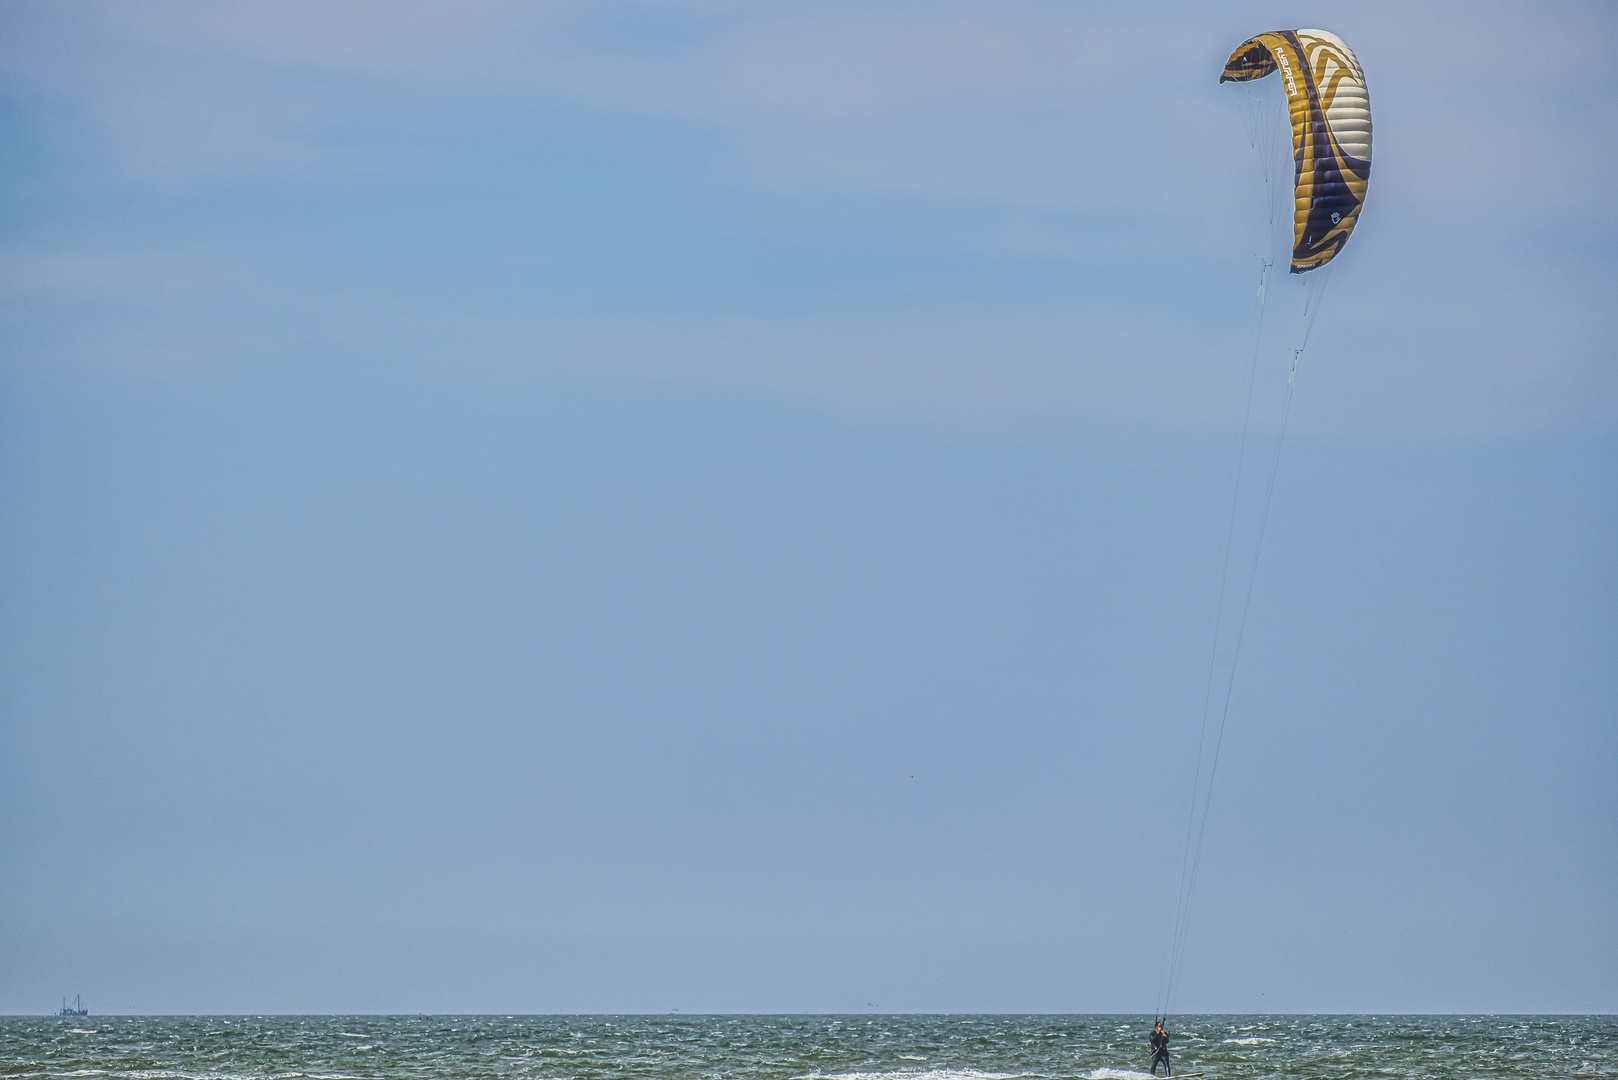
[(1160, 1049)]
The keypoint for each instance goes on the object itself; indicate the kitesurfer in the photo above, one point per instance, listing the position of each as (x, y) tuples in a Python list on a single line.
[(1160, 1049)]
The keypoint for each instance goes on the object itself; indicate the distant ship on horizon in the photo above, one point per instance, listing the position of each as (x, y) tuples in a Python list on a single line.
[(76, 1011)]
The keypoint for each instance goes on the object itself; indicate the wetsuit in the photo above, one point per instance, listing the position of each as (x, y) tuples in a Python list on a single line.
[(1160, 1052)]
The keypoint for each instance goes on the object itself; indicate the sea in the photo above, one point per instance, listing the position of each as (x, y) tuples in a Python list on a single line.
[(802, 1047)]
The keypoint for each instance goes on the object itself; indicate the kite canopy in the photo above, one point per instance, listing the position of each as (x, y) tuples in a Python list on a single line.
[(1331, 133)]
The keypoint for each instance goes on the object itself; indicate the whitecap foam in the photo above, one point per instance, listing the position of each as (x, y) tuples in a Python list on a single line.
[(1248, 1042), (177, 1074), (914, 1073), (1104, 1073)]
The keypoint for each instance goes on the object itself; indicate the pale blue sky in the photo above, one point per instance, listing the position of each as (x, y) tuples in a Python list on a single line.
[(616, 507)]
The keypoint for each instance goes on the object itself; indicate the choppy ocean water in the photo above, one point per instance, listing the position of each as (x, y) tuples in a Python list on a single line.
[(802, 1047)]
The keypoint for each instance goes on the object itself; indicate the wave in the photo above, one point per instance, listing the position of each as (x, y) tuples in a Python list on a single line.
[(177, 1074), (916, 1074)]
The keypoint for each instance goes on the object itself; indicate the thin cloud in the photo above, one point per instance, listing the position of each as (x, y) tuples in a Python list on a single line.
[(1027, 102), (1096, 141)]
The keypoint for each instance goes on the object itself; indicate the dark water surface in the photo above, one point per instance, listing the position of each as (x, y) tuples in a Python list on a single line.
[(844, 1047)]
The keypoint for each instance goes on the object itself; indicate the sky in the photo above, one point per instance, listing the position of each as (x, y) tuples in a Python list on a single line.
[(620, 507)]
